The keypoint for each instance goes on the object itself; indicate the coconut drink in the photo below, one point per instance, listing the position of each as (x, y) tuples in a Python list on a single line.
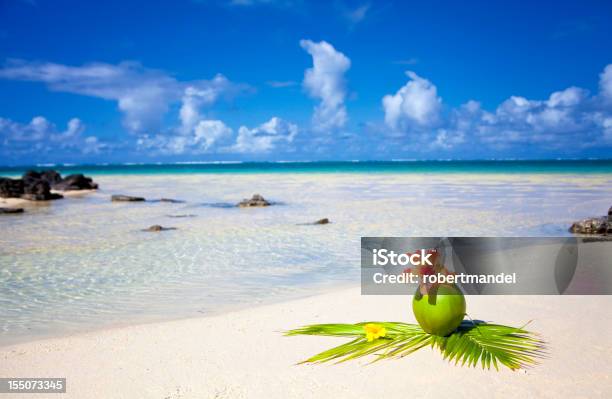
[(440, 313), (438, 308)]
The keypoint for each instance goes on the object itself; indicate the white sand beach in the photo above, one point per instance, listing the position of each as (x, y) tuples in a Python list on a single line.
[(13, 202), (20, 202), (243, 354)]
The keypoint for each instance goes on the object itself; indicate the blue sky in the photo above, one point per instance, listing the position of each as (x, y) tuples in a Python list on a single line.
[(295, 80)]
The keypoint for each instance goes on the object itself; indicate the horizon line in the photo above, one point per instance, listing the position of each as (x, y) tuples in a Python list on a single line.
[(280, 162)]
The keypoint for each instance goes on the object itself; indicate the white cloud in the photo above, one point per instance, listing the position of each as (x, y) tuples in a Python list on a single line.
[(39, 136), (39, 128), (570, 118), (265, 137), (446, 140), (74, 129), (415, 104), (357, 14), (525, 120), (213, 136), (142, 95), (605, 83), (202, 138), (195, 98), (606, 124), (195, 133), (569, 97), (325, 81), (208, 132)]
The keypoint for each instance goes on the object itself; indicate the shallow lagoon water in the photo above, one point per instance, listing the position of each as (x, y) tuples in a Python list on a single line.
[(83, 262)]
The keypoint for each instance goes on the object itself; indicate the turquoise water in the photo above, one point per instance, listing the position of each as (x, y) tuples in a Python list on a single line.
[(511, 167), (83, 262)]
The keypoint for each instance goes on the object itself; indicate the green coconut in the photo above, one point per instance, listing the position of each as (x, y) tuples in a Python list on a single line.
[(441, 311)]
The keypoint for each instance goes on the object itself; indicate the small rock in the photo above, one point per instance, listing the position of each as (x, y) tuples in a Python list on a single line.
[(594, 226), (171, 200), (11, 210), (599, 226), (255, 201), (188, 215), (320, 221), (156, 228), (125, 198)]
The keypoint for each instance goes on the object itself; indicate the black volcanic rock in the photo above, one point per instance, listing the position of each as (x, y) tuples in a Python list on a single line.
[(8, 211), (126, 198), (37, 189), (50, 176), (31, 177), (11, 188), (156, 228), (171, 200), (594, 226), (318, 222), (41, 197), (36, 186), (255, 201), (75, 182)]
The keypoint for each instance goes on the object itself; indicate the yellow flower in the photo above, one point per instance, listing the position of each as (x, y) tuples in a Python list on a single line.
[(374, 331)]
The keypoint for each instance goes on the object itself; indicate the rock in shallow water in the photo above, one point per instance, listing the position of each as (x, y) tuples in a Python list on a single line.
[(75, 182), (11, 188), (51, 176), (38, 190), (126, 198), (255, 201), (318, 222), (171, 200), (156, 228), (8, 211), (594, 226), (36, 186)]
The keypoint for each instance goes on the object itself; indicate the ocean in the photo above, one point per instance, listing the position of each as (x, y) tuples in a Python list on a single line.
[(402, 166)]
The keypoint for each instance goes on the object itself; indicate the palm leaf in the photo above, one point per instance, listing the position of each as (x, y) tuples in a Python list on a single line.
[(472, 344)]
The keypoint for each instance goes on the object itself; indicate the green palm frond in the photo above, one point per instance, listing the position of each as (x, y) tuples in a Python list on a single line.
[(473, 343)]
